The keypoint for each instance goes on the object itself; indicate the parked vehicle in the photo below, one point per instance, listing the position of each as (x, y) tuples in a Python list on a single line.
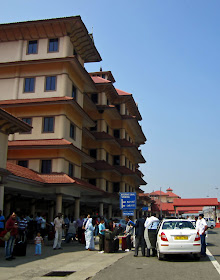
[(177, 236), (210, 222), (121, 223)]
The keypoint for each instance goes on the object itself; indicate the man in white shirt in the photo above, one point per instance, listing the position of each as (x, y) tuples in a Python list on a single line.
[(58, 225), (201, 227)]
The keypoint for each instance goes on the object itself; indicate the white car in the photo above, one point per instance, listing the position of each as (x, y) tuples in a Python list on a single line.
[(210, 223), (177, 236)]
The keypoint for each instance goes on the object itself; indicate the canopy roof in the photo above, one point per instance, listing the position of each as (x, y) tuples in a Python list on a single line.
[(195, 202)]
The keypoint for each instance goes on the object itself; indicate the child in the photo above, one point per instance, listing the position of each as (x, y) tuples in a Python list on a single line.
[(38, 241)]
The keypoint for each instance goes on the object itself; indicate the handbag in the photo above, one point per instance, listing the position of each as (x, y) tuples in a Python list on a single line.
[(6, 236)]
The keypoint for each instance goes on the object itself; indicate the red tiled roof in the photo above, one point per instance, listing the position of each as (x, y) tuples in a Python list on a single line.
[(164, 207), (196, 202), (54, 178), (50, 142), (99, 80), (34, 100), (171, 194), (190, 209), (23, 172), (169, 189), (121, 92), (160, 193)]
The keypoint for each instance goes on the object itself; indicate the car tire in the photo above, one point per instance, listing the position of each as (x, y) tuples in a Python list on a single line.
[(211, 227), (159, 255), (196, 257)]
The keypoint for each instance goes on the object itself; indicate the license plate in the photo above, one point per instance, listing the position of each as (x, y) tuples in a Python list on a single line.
[(181, 237)]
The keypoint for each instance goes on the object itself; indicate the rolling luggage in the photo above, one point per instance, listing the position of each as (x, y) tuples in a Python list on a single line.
[(20, 248)]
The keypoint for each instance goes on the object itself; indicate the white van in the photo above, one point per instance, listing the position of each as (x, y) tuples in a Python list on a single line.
[(210, 222)]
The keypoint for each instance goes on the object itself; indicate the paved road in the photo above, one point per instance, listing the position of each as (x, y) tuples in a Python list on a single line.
[(173, 268)]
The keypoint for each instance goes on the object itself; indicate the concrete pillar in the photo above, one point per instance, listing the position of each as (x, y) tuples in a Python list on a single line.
[(77, 208), (101, 208), (59, 199), (2, 190), (110, 211), (33, 206)]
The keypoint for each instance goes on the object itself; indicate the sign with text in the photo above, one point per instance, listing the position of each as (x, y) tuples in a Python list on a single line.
[(128, 213), (128, 201)]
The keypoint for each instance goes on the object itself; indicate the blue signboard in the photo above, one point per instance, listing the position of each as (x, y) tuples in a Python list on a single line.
[(128, 201), (128, 213), (145, 208)]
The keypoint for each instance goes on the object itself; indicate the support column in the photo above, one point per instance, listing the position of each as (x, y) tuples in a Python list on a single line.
[(2, 191), (110, 211), (77, 208), (59, 199), (101, 208), (135, 214), (7, 207)]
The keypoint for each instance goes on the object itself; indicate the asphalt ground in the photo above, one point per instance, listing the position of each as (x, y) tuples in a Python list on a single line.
[(121, 265), (174, 267)]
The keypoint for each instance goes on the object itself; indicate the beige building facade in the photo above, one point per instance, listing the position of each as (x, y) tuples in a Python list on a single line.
[(83, 148)]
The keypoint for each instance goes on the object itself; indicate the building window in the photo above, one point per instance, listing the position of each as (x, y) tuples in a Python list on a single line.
[(72, 131), (125, 187), (93, 153), (107, 189), (48, 124), (116, 187), (107, 129), (46, 166), (94, 97), (32, 47), (23, 163), (51, 83), (53, 45), (74, 92), (107, 156), (71, 170), (103, 76), (117, 133), (29, 84), (118, 107), (92, 182), (94, 128), (116, 160), (28, 121)]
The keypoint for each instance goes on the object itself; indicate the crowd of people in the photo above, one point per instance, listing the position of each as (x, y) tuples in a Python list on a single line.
[(84, 230)]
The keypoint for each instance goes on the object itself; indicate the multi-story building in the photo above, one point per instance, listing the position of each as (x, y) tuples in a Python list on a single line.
[(83, 148)]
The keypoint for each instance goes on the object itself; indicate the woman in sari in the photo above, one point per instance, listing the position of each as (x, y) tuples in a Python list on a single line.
[(89, 229)]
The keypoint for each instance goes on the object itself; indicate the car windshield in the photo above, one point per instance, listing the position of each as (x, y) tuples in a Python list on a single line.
[(178, 225)]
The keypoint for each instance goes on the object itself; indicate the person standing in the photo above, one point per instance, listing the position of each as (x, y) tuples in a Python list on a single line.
[(201, 227), (102, 235), (139, 236), (129, 232), (12, 227), (89, 235), (22, 228), (58, 225), (2, 221), (79, 225), (38, 242)]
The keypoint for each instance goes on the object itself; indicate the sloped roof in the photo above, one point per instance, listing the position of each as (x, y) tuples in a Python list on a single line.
[(169, 190), (99, 80), (158, 193), (121, 92), (171, 194), (53, 178), (196, 202)]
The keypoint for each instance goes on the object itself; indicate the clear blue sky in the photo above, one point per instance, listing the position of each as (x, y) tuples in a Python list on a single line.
[(167, 54)]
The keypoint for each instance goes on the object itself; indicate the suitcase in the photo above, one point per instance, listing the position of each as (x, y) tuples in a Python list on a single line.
[(124, 244), (20, 248), (109, 246), (116, 245)]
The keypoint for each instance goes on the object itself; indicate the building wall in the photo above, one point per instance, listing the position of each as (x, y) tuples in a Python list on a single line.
[(3, 149)]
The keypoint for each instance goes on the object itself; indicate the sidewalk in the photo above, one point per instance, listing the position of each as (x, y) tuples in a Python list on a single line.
[(73, 257)]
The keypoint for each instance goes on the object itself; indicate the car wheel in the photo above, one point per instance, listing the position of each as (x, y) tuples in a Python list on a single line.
[(196, 257), (211, 227), (159, 255)]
